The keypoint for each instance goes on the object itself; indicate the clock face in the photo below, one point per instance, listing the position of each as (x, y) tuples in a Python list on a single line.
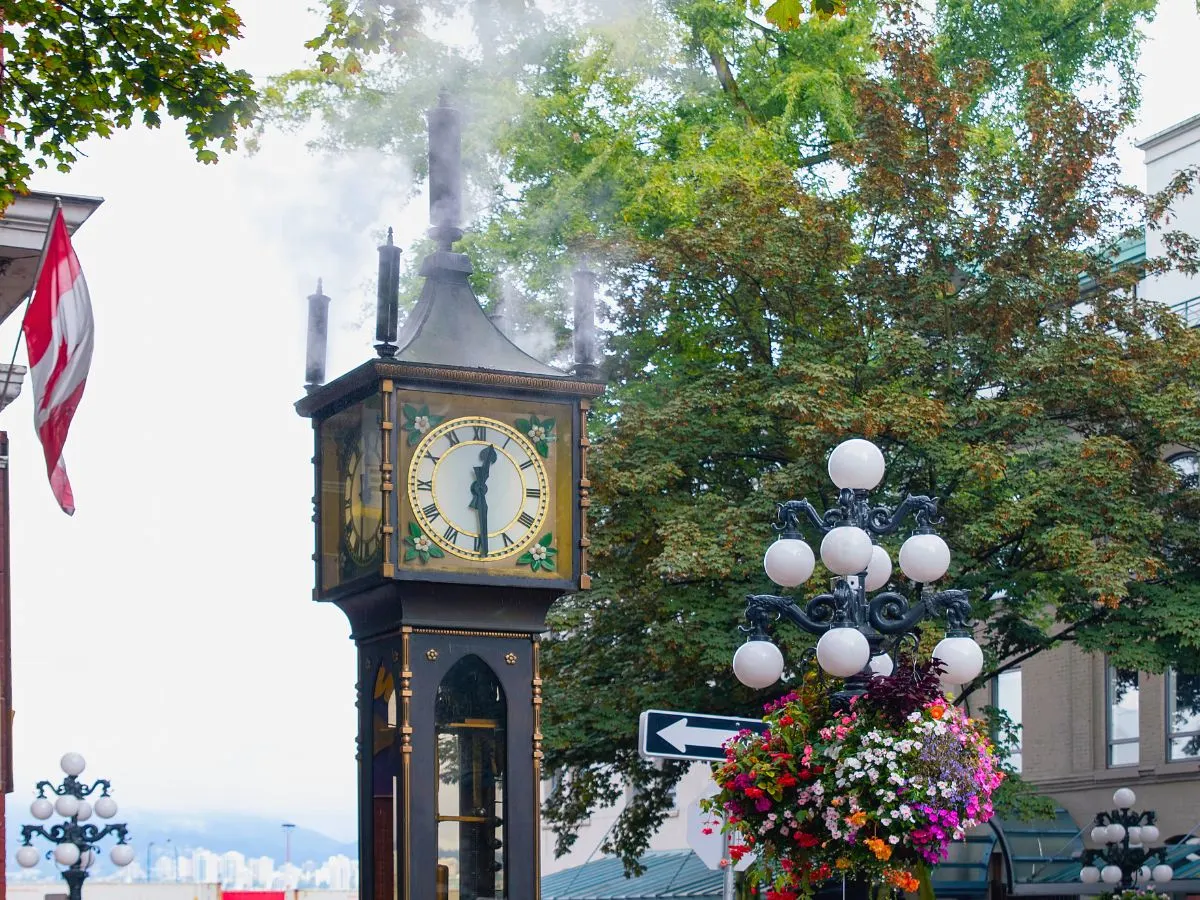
[(362, 506), (478, 488)]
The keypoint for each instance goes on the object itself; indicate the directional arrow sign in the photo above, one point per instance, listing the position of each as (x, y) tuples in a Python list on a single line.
[(685, 735)]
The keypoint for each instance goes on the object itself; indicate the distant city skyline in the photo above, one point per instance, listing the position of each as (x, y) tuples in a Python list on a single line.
[(231, 868)]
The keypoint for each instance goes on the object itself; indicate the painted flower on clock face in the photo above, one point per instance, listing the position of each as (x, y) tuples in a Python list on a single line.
[(423, 543), (537, 551), (537, 433), (421, 423)]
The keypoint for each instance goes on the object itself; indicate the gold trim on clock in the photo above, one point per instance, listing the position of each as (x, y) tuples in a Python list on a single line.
[(443, 520)]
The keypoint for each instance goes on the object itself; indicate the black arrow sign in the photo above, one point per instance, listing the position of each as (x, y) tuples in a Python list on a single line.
[(685, 735)]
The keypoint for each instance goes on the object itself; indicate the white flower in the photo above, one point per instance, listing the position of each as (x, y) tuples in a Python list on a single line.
[(422, 543), (537, 433), (421, 423), (894, 839), (538, 552)]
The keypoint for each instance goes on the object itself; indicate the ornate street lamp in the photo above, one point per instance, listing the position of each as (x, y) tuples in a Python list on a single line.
[(1123, 858), (857, 632), (75, 843)]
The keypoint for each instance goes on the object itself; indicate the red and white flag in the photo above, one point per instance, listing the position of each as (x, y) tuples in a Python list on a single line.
[(59, 334)]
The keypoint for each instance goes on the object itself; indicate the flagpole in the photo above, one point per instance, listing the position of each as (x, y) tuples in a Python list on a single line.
[(29, 297)]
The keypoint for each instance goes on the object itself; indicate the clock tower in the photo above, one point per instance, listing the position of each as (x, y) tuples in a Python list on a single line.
[(450, 509)]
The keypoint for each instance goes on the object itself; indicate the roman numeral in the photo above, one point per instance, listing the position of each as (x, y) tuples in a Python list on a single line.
[(480, 432), (534, 492), (429, 456), (507, 441), (479, 544), (508, 542), (525, 519), (453, 438), (424, 485), (451, 534), (528, 464), (431, 512)]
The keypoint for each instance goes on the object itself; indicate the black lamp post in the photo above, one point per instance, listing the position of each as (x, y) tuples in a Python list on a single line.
[(75, 842), (856, 631), (1122, 859)]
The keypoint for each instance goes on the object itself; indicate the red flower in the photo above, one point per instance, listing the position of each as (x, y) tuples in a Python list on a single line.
[(804, 839), (786, 779), (754, 793), (786, 720), (737, 851)]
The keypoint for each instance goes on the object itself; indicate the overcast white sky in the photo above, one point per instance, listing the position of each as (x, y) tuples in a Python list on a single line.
[(166, 631)]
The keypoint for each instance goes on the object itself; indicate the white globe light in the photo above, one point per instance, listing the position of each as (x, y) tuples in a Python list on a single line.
[(856, 464), (41, 808), (882, 665), (85, 811), (27, 857), (72, 763), (962, 658), (789, 562), (121, 855), (1099, 835), (1123, 798), (846, 550), (1143, 874), (1116, 833), (1089, 874), (1135, 834), (843, 651), (879, 569), (1149, 833), (1162, 872), (1110, 874), (105, 807), (757, 664), (66, 854), (924, 558), (66, 806), (87, 859)]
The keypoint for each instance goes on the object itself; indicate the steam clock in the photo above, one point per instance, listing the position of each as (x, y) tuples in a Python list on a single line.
[(451, 493)]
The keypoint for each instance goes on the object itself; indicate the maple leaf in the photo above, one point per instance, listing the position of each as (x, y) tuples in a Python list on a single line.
[(785, 14)]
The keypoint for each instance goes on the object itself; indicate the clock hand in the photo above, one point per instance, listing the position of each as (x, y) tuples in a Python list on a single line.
[(487, 456)]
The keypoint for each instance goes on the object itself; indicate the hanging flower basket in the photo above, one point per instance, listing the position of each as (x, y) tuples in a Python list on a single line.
[(874, 793)]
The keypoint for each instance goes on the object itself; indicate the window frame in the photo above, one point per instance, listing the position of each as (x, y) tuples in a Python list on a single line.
[(1017, 756), (1170, 696), (1109, 741)]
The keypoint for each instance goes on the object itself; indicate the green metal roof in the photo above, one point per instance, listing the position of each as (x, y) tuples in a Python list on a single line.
[(669, 873)]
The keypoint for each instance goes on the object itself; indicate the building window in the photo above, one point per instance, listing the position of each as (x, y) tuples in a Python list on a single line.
[(1006, 697), (1187, 464), (1183, 716), (1123, 728)]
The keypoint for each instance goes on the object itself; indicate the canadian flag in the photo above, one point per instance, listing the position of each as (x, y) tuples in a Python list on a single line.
[(59, 334)]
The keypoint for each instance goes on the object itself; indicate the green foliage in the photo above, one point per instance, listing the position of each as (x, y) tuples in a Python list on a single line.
[(74, 70), (871, 222)]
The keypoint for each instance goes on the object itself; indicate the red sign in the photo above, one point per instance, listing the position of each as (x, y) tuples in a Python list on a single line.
[(253, 895)]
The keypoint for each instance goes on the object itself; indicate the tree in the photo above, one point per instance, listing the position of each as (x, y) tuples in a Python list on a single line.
[(872, 223), (75, 69)]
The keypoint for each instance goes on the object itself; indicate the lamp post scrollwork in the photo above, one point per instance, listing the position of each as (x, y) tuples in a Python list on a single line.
[(1123, 857), (75, 840), (856, 631)]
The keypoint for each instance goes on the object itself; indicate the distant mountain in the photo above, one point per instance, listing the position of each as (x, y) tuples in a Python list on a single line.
[(219, 832)]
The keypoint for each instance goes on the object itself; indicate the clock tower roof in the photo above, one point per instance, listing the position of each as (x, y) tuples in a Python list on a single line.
[(447, 327)]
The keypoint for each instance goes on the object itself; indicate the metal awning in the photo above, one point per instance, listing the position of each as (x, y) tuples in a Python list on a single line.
[(23, 229)]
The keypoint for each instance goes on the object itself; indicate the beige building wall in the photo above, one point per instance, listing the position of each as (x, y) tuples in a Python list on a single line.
[(1065, 742)]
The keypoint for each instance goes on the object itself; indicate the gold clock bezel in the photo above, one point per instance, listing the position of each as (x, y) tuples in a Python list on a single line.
[(433, 533)]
